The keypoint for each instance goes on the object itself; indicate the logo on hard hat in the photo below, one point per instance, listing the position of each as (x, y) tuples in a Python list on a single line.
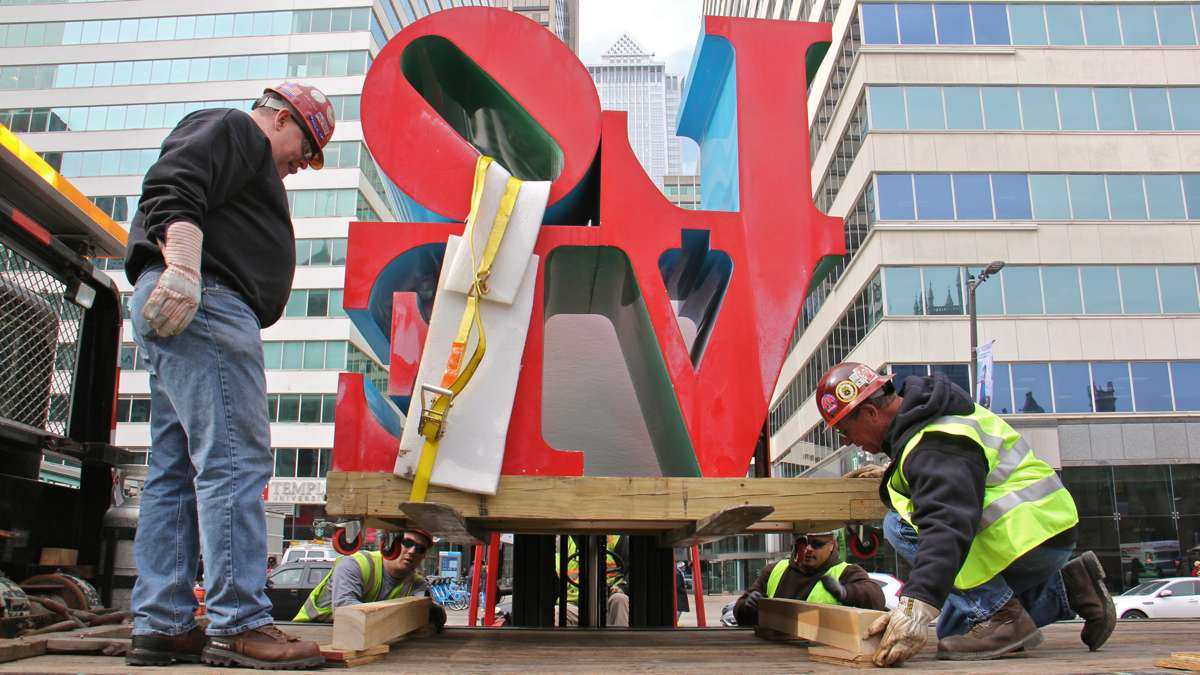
[(829, 404), (861, 376), (846, 391)]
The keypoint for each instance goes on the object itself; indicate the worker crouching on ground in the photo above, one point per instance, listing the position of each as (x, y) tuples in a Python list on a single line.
[(987, 526), (211, 256), (814, 573), (367, 576)]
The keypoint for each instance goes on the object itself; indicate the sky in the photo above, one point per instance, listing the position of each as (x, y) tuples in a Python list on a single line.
[(669, 28)]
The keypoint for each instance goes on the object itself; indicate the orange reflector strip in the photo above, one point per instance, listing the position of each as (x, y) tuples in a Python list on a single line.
[(31, 226)]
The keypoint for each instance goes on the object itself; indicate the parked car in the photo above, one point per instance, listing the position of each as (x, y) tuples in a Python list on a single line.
[(891, 588), (1173, 598), (299, 552), (290, 585)]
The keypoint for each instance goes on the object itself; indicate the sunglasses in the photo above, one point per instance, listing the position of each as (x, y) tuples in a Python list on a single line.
[(814, 545), (306, 148), (416, 546)]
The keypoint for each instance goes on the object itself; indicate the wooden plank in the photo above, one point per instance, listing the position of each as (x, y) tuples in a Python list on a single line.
[(840, 657), (729, 520), (11, 650), (333, 654), (59, 557), (1180, 661), (375, 623), (626, 503), (832, 625), (443, 521), (105, 646)]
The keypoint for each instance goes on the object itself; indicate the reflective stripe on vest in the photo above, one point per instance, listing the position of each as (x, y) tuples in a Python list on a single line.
[(818, 593), (1024, 501), (319, 605), (611, 567)]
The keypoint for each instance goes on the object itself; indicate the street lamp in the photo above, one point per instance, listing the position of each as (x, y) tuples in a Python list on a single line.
[(973, 283)]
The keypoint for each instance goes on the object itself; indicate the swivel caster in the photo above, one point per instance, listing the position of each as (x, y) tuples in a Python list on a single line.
[(348, 538)]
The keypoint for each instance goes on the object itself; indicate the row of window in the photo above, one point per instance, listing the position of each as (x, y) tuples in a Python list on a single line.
[(136, 116), (1019, 196), (1034, 290), (151, 29), (301, 408), (320, 252), (305, 355), (164, 71), (1065, 387), (289, 462), (1035, 108), (314, 302), (137, 161), (344, 203), (118, 207), (1130, 25)]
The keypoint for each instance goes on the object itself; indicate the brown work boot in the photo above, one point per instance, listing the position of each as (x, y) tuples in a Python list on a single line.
[(1008, 630), (163, 650), (1088, 596), (265, 647)]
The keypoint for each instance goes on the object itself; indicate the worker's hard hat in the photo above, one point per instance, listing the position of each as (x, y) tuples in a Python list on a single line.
[(316, 114), (844, 387), (423, 533)]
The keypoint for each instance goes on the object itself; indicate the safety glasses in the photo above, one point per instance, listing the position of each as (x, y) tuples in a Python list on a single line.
[(416, 546), (801, 542)]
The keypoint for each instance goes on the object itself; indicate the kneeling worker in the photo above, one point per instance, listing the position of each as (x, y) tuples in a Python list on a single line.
[(814, 573), (366, 576), (987, 525)]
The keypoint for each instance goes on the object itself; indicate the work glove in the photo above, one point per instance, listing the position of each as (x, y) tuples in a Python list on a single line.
[(867, 471), (173, 302), (437, 616), (747, 612), (751, 602), (904, 631), (835, 587)]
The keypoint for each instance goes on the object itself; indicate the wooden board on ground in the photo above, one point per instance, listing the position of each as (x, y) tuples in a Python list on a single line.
[(442, 521), (587, 504), (832, 625), (359, 627), (840, 657), (88, 645), (729, 520), (353, 657), (11, 650), (1180, 661), (35, 645)]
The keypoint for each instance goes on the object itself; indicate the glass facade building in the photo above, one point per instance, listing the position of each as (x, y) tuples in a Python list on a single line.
[(1060, 139)]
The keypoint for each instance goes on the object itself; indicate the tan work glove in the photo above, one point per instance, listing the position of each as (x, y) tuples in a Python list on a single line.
[(176, 296), (906, 628), (867, 471)]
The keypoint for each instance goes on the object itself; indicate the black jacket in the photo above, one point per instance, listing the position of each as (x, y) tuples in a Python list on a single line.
[(796, 585), (945, 476), (216, 171)]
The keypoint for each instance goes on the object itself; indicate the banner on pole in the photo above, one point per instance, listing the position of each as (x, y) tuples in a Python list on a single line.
[(983, 374)]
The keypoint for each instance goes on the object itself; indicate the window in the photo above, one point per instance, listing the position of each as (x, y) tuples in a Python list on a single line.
[(1061, 286), (991, 24), (925, 107), (1076, 107), (1151, 109), (133, 409), (1049, 195), (1111, 391), (1038, 109), (1089, 201), (943, 291), (300, 408), (896, 196), (1031, 387), (1000, 107), (1028, 24), (1001, 402), (1100, 292), (903, 288), (987, 296), (1178, 285), (973, 196), (286, 578), (1185, 375), (1126, 198), (953, 24), (1065, 27), (1165, 196), (1175, 24), (1022, 290), (1185, 108), (1139, 290), (1101, 25), (1012, 196), (934, 201), (963, 108), (916, 24), (879, 24), (1072, 388), (1138, 25), (1151, 386)]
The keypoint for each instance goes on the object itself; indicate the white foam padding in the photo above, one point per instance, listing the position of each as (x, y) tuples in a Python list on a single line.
[(516, 248), (472, 449)]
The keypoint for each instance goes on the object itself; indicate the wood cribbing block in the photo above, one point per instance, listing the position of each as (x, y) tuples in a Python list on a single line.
[(443, 521), (728, 521), (832, 625), (349, 658), (59, 557), (11, 650), (840, 657), (88, 645), (1180, 661), (359, 627)]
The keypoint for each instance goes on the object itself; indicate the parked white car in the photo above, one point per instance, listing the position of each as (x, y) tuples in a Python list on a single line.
[(300, 552), (891, 588), (1175, 598)]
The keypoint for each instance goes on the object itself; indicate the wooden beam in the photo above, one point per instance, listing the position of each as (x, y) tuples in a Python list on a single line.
[(727, 521), (349, 658), (443, 521), (842, 627), (359, 627), (527, 503)]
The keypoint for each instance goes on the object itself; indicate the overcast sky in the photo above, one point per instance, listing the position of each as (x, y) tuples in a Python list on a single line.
[(669, 28)]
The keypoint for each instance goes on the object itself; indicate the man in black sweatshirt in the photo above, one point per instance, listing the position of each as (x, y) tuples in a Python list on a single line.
[(814, 573), (987, 526), (211, 257)]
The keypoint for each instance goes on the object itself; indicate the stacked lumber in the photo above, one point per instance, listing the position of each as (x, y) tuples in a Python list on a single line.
[(840, 631), (1180, 661)]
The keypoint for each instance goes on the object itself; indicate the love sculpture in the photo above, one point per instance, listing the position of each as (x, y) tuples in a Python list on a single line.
[(471, 80)]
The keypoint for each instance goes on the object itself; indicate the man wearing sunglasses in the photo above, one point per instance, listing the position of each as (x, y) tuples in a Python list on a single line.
[(814, 573), (367, 576), (211, 256)]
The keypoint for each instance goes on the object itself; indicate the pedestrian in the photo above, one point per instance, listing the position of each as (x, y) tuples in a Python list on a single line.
[(815, 573), (211, 257), (1196, 569), (986, 524)]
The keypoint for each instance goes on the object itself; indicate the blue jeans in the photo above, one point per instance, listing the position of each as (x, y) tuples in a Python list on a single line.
[(1033, 578), (210, 460)]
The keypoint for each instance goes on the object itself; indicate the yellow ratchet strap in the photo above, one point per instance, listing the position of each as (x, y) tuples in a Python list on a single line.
[(433, 416)]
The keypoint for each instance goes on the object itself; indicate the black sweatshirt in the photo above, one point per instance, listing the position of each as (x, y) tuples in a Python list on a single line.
[(795, 584), (216, 172), (946, 475)]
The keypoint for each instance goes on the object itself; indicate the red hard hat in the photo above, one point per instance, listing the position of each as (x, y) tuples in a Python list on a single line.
[(845, 386), (423, 533), (316, 112)]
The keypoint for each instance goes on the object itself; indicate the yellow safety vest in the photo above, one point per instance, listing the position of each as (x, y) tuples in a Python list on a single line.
[(319, 605), (573, 566), (1024, 501), (818, 594)]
